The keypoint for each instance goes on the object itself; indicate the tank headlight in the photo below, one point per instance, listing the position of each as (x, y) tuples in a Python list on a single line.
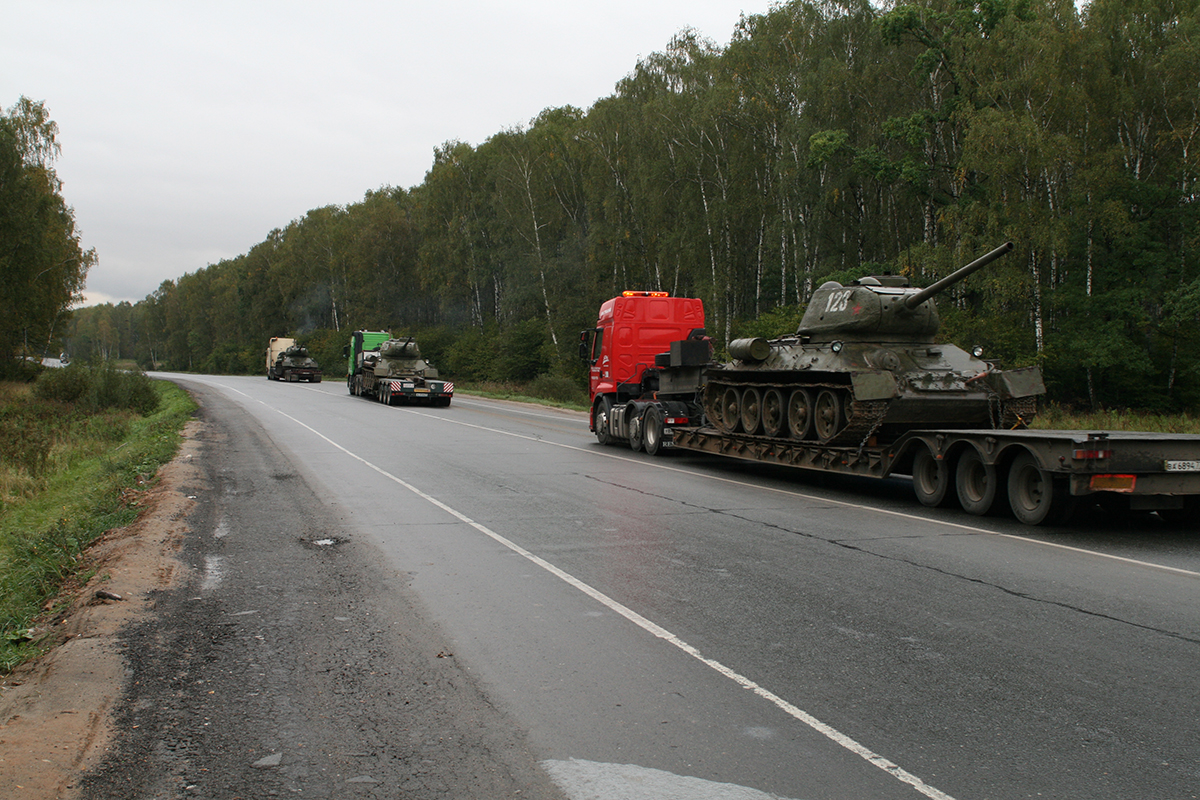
[(836, 347), (977, 351)]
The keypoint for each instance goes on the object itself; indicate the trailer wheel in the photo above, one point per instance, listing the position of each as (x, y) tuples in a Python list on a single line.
[(931, 479), (1034, 494), (751, 401), (652, 430), (976, 482), (601, 414), (774, 414)]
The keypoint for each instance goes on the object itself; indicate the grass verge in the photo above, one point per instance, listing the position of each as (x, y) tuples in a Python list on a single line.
[(85, 480), (1058, 418)]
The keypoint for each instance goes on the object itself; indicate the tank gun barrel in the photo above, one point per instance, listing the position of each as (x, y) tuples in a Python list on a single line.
[(914, 300)]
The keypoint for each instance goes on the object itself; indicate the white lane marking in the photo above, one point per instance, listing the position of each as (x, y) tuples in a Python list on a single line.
[(592, 780), (652, 628)]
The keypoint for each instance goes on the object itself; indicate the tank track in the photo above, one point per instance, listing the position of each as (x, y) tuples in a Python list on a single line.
[(1016, 412), (862, 418)]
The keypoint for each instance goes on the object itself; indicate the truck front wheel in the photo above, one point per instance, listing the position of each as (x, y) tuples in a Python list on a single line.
[(601, 416)]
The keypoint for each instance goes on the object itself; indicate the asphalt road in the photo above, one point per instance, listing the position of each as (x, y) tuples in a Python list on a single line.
[(480, 601)]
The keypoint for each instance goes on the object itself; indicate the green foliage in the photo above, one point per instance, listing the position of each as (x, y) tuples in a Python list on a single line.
[(97, 388), (781, 321), (42, 264), (827, 141), (88, 485)]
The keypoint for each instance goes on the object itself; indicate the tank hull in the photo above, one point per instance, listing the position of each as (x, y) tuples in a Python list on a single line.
[(849, 393)]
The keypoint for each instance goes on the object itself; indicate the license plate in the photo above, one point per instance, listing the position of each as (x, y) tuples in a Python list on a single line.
[(1182, 466)]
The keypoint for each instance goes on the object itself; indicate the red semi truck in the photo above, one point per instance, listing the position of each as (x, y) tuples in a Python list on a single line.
[(651, 379)]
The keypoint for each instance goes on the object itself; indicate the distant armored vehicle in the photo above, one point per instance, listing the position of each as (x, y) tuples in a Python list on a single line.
[(288, 361), (391, 370)]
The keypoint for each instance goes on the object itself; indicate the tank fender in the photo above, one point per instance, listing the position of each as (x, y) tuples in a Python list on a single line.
[(1020, 382), (874, 385)]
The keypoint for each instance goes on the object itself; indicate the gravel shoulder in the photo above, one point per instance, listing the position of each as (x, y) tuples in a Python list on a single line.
[(262, 647), (56, 711)]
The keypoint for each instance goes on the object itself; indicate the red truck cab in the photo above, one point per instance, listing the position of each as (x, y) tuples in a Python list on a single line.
[(632, 335)]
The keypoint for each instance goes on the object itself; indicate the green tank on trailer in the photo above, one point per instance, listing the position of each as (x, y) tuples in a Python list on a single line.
[(865, 364), (391, 370)]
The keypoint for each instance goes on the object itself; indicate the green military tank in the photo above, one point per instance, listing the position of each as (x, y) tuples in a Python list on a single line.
[(295, 364), (864, 367), (391, 370)]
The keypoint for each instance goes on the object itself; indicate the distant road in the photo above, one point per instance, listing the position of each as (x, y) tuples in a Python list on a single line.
[(479, 599)]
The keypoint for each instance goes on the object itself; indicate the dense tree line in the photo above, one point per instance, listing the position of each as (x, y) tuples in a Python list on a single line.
[(42, 264), (828, 140)]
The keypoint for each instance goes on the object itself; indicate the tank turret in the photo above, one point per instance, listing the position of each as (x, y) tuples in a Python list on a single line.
[(398, 358), (881, 307), (865, 364)]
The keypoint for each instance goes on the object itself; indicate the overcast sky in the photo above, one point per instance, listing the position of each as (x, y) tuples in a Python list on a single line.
[(190, 130)]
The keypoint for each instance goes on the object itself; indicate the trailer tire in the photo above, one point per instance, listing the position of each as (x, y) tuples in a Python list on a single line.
[(1035, 495), (601, 416), (652, 430), (931, 479), (977, 483)]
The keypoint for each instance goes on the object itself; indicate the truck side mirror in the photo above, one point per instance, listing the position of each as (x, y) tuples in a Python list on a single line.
[(585, 345)]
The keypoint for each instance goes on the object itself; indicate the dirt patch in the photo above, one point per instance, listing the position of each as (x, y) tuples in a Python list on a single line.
[(55, 712)]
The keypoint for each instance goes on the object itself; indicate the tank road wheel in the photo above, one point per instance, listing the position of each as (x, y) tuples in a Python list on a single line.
[(799, 414), (1034, 494), (731, 412), (827, 414), (976, 483), (634, 424), (774, 413), (751, 400), (931, 478), (652, 430), (601, 413)]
